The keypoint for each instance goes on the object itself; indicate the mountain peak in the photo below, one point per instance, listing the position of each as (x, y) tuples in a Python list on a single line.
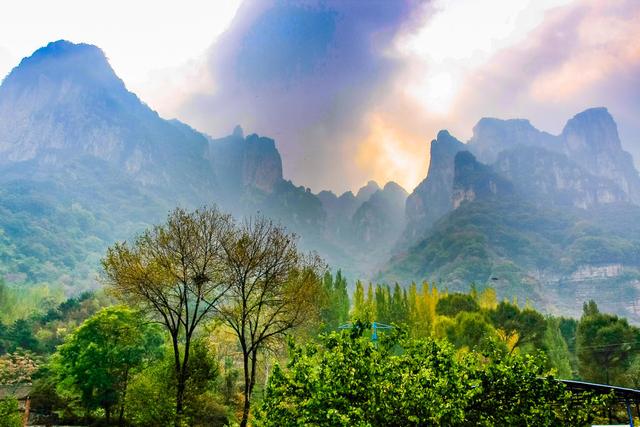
[(367, 191), (592, 129), (394, 187), (63, 60), (238, 132), (491, 136)]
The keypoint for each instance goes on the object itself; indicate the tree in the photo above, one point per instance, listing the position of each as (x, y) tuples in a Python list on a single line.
[(335, 309), (174, 273), (399, 311), (468, 329), (273, 289), (518, 327), (350, 381), (453, 304), (605, 345), (21, 336), (99, 358), (10, 414)]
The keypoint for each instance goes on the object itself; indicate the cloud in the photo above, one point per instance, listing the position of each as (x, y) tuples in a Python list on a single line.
[(307, 74), (354, 90), (583, 55)]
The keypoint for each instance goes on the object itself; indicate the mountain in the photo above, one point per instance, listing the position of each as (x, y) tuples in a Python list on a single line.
[(551, 219), (491, 136), (432, 197), (591, 140), (83, 163), (551, 179), (64, 104), (379, 220), (241, 162), (474, 181)]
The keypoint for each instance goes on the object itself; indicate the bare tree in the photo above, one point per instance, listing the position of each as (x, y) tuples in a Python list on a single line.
[(273, 289), (175, 273)]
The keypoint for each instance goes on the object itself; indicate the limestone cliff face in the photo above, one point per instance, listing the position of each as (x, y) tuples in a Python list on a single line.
[(262, 166), (431, 199), (492, 136), (64, 104), (473, 180), (591, 140), (251, 161), (380, 219), (550, 178)]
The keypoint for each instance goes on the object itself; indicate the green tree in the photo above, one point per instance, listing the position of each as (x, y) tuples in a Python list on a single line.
[(519, 327), (174, 273), (605, 346), (99, 358), (336, 307), (383, 303), (469, 329), (451, 305), (399, 312), (350, 381), (360, 309), (10, 414), (21, 336), (555, 347), (341, 297)]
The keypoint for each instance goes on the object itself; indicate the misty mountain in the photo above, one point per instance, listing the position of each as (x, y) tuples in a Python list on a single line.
[(552, 219), (83, 163)]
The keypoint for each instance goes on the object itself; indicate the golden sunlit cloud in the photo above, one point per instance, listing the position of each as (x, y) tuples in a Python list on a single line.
[(607, 44), (389, 153)]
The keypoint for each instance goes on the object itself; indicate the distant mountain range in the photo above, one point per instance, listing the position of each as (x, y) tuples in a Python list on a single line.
[(553, 219), (83, 163)]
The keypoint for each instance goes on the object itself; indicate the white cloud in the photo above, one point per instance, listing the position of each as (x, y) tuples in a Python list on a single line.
[(458, 37), (146, 41)]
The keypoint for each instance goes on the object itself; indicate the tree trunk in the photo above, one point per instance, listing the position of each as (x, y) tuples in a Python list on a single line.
[(124, 398), (249, 361), (180, 382), (183, 375), (247, 394)]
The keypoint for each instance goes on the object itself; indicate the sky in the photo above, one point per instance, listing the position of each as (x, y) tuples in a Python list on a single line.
[(354, 90)]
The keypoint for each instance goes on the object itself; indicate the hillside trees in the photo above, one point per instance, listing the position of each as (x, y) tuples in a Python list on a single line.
[(605, 345)]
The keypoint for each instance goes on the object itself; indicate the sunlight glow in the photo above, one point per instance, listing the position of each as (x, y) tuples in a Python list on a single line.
[(460, 36)]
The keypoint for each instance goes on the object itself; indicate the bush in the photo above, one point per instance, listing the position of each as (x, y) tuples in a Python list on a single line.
[(10, 414)]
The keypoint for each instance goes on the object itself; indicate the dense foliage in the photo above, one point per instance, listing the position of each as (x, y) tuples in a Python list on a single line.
[(450, 358), (507, 241), (350, 381)]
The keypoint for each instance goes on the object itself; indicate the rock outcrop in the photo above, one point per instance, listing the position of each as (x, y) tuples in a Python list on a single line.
[(474, 180), (591, 140), (431, 199)]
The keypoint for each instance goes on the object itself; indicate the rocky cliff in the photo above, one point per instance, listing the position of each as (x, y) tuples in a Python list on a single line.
[(591, 140), (475, 181), (64, 104), (240, 162), (431, 199)]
